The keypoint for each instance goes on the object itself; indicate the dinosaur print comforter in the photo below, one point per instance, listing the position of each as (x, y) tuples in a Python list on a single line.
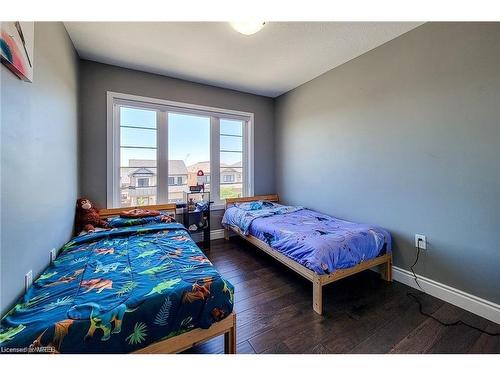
[(117, 291), (319, 242)]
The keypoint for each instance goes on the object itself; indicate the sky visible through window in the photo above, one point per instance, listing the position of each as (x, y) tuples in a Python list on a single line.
[(188, 137)]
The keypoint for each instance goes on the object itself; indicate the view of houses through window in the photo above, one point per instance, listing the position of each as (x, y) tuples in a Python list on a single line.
[(138, 150), (231, 158), (189, 151), (188, 145)]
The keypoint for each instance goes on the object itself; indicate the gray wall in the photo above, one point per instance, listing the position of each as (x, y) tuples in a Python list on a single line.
[(407, 136), (96, 79), (38, 158)]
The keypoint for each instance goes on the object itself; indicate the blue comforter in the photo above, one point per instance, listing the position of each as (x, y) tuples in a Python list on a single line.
[(319, 242), (117, 291)]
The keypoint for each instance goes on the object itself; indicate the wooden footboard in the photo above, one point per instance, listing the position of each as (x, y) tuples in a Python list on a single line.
[(318, 280), (179, 343)]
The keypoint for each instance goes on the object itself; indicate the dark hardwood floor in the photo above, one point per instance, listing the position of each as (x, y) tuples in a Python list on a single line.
[(362, 313)]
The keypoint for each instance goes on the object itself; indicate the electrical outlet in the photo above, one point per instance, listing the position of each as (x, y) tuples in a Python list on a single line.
[(53, 254), (423, 242), (28, 280)]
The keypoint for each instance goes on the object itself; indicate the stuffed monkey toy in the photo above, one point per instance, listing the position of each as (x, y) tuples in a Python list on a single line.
[(87, 216)]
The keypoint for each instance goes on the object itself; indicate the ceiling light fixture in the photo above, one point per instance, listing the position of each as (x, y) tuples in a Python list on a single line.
[(247, 28)]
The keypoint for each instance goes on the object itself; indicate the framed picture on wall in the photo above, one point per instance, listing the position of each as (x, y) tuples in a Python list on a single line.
[(16, 43)]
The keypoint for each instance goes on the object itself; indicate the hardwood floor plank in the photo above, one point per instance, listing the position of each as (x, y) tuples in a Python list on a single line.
[(216, 346), (459, 339), (305, 320), (359, 321), (486, 343), (279, 348), (423, 338), (390, 334)]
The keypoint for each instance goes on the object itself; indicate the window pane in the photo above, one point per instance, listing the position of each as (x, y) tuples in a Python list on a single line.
[(138, 184), (231, 127), (231, 143), (188, 152), (131, 157), (231, 159), (142, 118), (138, 165), (137, 137), (231, 191)]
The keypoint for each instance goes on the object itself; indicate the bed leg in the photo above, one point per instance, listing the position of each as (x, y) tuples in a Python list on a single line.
[(387, 270), (230, 339), (317, 296), (226, 234)]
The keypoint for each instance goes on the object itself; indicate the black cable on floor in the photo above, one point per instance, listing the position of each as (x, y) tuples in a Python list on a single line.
[(415, 296)]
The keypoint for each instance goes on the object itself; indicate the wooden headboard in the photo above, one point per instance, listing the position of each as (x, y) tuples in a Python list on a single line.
[(269, 198), (109, 212)]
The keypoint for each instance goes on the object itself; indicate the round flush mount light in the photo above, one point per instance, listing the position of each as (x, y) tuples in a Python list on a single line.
[(247, 28)]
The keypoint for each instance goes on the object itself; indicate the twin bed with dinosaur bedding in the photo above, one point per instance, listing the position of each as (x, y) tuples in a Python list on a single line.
[(133, 287)]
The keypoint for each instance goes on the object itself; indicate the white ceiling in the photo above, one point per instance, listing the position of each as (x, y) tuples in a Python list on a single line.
[(280, 57)]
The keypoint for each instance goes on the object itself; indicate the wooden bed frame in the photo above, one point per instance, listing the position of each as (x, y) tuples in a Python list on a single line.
[(179, 343), (318, 280)]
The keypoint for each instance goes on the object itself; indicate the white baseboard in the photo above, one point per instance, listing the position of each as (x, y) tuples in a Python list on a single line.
[(215, 234), (466, 301)]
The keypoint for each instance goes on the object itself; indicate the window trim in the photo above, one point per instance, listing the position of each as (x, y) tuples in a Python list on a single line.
[(114, 99)]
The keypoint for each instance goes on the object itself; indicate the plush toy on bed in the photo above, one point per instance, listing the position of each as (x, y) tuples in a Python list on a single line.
[(87, 216)]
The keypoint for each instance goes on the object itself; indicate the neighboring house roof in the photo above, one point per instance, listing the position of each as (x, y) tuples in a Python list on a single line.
[(203, 165), (175, 167), (235, 167), (142, 171), (141, 163)]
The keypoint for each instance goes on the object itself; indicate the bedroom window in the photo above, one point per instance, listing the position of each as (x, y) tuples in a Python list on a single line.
[(157, 148), (143, 182)]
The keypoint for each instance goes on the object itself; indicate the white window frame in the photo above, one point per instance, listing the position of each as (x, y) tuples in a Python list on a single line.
[(115, 99)]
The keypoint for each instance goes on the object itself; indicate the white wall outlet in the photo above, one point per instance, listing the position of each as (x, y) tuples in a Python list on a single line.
[(423, 242), (28, 280), (53, 254)]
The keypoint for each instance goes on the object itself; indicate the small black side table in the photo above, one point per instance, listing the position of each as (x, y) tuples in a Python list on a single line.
[(196, 215)]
